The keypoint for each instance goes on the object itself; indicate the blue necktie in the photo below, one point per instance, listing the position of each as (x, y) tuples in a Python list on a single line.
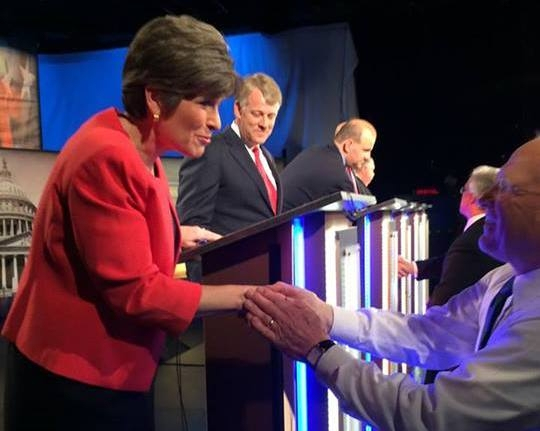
[(494, 310)]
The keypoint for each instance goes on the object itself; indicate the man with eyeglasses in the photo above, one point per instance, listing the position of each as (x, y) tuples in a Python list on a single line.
[(464, 263), (487, 334)]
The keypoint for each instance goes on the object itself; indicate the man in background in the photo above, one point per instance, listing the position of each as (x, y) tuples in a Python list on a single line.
[(321, 171), (464, 263), (235, 183)]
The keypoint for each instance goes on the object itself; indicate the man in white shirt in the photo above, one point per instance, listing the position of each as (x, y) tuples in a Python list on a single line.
[(494, 384)]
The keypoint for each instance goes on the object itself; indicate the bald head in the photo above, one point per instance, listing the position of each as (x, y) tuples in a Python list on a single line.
[(338, 127), (528, 157), (357, 129), (512, 206), (355, 140)]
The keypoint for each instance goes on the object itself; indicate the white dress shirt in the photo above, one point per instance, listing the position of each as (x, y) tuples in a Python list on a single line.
[(264, 162), (472, 220), (496, 388)]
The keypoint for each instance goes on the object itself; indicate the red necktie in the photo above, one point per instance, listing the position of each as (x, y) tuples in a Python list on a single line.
[(270, 188), (352, 177)]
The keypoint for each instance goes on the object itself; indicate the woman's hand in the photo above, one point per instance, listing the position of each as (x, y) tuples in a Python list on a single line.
[(194, 236), (223, 298)]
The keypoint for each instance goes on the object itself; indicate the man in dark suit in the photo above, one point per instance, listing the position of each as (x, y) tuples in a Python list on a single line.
[(464, 263), (235, 183), (321, 171)]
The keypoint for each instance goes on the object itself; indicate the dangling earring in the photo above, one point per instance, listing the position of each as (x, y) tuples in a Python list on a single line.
[(156, 116)]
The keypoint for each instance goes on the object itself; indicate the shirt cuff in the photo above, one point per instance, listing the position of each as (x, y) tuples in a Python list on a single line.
[(330, 360), (344, 325)]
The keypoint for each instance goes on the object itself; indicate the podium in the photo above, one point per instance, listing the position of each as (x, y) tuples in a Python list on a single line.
[(367, 276), (250, 385), (341, 247)]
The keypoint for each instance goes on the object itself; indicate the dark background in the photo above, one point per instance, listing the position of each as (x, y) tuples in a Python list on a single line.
[(449, 84)]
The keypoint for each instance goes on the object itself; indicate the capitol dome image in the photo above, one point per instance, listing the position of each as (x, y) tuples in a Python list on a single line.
[(16, 216)]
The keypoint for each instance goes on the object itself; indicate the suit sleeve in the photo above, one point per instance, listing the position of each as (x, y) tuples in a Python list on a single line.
[(461, 269), (430, 268), (198, 185)]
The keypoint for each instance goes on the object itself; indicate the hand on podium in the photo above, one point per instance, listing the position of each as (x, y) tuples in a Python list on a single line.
[(406, 267), (194, 236)]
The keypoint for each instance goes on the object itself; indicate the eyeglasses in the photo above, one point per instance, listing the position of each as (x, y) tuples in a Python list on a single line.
[(504, 186)]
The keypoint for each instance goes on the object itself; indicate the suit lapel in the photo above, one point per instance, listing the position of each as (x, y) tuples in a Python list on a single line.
[(362, 188), (239, 153)]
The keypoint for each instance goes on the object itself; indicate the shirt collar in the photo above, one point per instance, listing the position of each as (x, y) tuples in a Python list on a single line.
[(472, 220), (527, 288), (236, 129)]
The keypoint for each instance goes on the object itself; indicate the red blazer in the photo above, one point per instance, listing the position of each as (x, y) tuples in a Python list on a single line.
[(96, 295)]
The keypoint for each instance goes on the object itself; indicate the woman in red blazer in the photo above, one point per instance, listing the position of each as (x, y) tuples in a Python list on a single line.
[(97, 295)]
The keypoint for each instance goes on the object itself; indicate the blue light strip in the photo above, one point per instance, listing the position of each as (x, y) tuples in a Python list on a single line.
[(367, 278), (367, 262), (299, 280)]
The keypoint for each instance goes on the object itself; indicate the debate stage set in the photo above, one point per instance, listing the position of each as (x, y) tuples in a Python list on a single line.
[(343, 247)]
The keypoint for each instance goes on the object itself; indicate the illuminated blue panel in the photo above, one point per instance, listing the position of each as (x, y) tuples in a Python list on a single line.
[(299, 276), (299, 280), (367, 278), (367, 262)]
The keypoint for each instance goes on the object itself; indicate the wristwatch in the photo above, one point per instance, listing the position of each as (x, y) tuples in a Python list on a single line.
[(315, 353)]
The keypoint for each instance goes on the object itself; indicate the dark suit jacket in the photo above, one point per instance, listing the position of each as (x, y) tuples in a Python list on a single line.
[(362, 188), (462, 265), (223, 190), (312, 174)]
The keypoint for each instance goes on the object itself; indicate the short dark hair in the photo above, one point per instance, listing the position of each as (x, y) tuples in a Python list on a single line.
[(181, 58)]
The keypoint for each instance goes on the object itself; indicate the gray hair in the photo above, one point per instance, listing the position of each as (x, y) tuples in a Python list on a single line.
[(482, 178)]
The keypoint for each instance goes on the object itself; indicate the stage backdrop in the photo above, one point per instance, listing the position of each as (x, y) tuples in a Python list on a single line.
[(314, 66), (19, 119)]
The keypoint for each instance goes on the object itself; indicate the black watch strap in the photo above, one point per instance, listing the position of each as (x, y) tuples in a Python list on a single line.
[(315, 353)]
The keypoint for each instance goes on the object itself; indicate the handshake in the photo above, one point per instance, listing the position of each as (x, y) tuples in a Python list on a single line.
[(293, 319)]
